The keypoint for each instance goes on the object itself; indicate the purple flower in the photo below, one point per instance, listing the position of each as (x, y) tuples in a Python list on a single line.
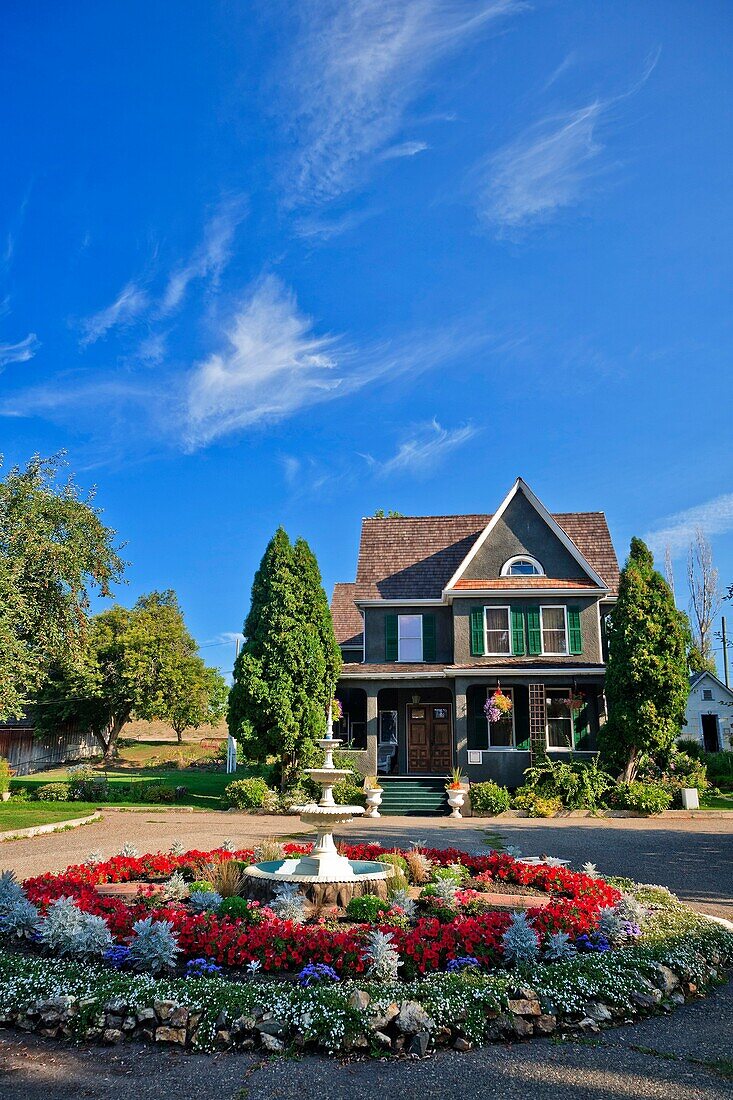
[(314, 973), (201, 968), (593, 942), (117, 956), (463, 962)]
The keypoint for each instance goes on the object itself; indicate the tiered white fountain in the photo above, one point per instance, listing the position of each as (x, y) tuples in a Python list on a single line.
[(324, 876)]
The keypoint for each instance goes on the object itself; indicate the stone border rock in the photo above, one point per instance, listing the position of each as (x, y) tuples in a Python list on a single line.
[(401, 1027), (50, 827)]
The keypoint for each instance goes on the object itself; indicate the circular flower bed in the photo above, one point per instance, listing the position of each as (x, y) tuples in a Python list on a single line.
[(466, 948)]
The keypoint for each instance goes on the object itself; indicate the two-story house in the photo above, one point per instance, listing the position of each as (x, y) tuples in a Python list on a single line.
[(445, 610)]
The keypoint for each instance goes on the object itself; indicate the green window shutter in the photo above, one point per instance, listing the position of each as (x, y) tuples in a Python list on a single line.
[(534, 631), (517, 632), (390, 637), (428, 637), (477, 632), (575, 634)]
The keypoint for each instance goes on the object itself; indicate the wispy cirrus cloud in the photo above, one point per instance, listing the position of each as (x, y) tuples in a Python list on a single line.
[(356, 67), (714, 517), (549, 167), (275, 364), (20, 352), (272, 364), (129, 304), (139, 300), (210, 257), (424, 450)]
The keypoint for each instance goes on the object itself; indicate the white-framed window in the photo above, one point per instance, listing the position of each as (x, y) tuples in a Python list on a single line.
[(497, 637), (554, 624), (559, 720), (522, 566), (409, 637), (501, 733)]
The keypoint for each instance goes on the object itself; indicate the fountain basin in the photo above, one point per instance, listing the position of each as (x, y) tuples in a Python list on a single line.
[(350, 879)]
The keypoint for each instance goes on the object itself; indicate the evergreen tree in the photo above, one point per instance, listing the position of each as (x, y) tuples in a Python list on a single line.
[(286, 672), (646, 677)]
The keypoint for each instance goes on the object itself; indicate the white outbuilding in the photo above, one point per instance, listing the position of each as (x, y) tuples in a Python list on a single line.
[(709, 716)]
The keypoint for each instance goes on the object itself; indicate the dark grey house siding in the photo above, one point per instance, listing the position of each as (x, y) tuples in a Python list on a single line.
[(588, 624), (520, 530), (375, 631)]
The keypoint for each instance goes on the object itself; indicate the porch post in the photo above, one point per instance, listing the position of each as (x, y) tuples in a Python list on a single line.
[(372, 728), (460, 722)]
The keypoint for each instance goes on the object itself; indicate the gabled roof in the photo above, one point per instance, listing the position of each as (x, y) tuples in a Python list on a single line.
[(696, 677), (347, 622), (518, 487), (414, 558)]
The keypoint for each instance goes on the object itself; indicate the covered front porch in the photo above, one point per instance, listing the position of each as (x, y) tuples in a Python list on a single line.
[(426, 726)]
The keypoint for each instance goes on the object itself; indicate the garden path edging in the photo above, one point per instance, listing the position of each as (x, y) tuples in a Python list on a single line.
[(50, 827)]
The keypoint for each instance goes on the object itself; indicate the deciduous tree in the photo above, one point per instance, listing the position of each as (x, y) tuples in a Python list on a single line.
[(54, 550)]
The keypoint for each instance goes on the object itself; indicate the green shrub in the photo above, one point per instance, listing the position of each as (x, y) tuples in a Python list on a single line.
[(396, 860), (240, 909), (489, 798), (201, 886), (579, 784), (644, 798), (347, 793), (692, 747), (5, 775), (154, 792), (368, 909), (720, 768), (535, 804), (454, 872), (247, 794), (87, 785), (53, 792)]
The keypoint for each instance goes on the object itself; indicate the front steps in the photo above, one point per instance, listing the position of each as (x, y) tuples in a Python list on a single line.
[(413, 796)]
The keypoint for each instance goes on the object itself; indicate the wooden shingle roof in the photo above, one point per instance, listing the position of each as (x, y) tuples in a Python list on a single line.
[(414, 557)]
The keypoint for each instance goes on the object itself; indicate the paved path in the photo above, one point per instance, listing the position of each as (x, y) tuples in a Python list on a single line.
[(677, 1057), (694, 858)]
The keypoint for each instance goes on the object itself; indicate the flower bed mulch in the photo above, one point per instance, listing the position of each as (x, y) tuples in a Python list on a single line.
[(229, 991)]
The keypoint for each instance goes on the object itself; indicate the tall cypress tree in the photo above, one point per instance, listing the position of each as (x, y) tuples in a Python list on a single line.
[(646, 677), (318, 612), (283, 680)]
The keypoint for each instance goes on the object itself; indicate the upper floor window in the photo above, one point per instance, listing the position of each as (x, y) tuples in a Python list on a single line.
[(522, 566), (554, 630), (409, 638), (496, 630), (707, 695)]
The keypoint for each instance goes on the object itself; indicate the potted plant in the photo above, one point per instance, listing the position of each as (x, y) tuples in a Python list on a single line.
[(497, 706), (373, 796), (5, 776), (456, 793)]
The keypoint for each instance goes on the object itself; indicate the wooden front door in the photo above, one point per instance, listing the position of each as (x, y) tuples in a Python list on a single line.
[(429, 739)]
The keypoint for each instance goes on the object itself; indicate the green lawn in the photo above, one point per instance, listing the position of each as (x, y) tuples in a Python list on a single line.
[(716, 802), (23, 815), (204, 788)]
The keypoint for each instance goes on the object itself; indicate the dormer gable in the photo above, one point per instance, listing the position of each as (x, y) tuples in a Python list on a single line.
[(523, 546)]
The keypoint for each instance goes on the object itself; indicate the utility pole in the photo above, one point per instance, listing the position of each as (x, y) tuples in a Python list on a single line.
[(725, 653)]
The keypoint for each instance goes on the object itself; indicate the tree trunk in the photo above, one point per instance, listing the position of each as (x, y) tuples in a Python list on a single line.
[(110, 746), (632, 763), (179, 735)]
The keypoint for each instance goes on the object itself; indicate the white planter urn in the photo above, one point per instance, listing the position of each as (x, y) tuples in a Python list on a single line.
[(456, 798), (690, 799), (5, 796), (373, 801)]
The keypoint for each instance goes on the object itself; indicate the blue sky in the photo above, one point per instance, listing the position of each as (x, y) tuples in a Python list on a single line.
[(287, 263)]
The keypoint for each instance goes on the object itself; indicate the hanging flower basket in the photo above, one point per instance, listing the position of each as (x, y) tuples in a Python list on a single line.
[(497, 706), (574, 703), (337, 711)]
